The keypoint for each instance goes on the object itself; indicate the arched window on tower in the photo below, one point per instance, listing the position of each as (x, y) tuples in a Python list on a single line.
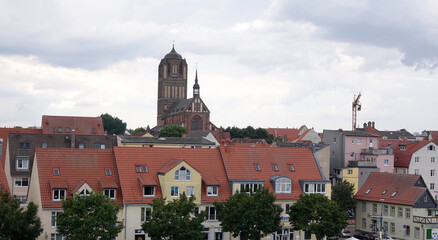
[(196, 123)]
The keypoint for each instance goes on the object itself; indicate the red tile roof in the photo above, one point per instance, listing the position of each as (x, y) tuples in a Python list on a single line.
[(291, 133), (4, 135), (403, 158), (76, 166), (81, 125), (206, 161), (409, 188), (433, 136), (239, 164), (3, 181)]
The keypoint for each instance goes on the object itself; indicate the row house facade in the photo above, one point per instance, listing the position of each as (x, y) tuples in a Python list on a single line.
[(134, 177), (402, 207)]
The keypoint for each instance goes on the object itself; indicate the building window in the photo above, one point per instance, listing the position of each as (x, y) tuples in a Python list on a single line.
[(408, 213), (417, 232), (81, 146), (417, 159), (425, 198), (250, 187), (400, 212), (53, 129), (212, 190), (429, 213), (417, 171), (67, 129), (53, 218), (408, 230), (392, 211), (392, 227), (85, 192), (385, 226), (44, 145), (211, 213), (385, 210), (56, 236), (23, 199), (275, 167), (364, 222), (60, 129), (56, 171), (352, 141), (99, 146), (108, 172), (432, 159), (148, 191), (364, 206), (431, 148), (291, 167), (359, 141), (21, 182), (58, 194), (283, 185), (310, 188), (385, 162), (24, 145), (141, 168), (257, 167), (190, 191), (93, 130), (374, 208), (174, 191), (182, 174), (432, 172), (22, 163), (111, 193), (349, 171), (146, 214), (432, 186)]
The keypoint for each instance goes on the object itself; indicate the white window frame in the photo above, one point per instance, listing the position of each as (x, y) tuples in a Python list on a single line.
[(432, 172), (385, 162), (20, 180), (58, 196), (359, 141), (144, 217), (250, 187), (283, 185), (212, 190), (107, 192), (174, 191), (24, 160), (416, 159), (211, 214), (85, 192), (190, 191), (54, 236), (183, 174), (53, 217), (432, 186), (144, 190), (23, 199), (310, 188)]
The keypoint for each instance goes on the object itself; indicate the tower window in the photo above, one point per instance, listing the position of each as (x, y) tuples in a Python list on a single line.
[(196, 123)]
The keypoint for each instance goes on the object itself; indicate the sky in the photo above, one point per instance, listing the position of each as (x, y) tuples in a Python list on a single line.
[(260, 63)]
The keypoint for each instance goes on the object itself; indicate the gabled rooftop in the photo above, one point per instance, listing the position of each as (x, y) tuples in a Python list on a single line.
[(4, 135), (81, 125), (402, 158)]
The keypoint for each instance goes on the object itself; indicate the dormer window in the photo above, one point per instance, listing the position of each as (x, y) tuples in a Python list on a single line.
[(108, 172), (275, 167), (148, 191), (291, 167), (283, 185), (368, 191), (212, 190), (111, 193), (56, 171), (58, 194), (257, 167), (84, 192), (182, 174)]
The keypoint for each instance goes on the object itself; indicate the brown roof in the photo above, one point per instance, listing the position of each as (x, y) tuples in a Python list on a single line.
[(4, 135), (409, 188), (76, 166), (81, 125), (433, 135), (403, 158), (239, 164), (206, 161), (291, 133)]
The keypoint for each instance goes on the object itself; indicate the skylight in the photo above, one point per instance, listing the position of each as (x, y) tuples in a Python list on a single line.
[(275, 167), (393, 194), (383, 193), (56, 171), (368, 191), (108, 171), (291, 167), (257, 166)]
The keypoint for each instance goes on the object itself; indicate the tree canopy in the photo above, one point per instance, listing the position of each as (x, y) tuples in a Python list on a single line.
[(250, 132), (317, 214), (16, 222), (137, 130), (175, 220), (343, 195), (89, 217), (172, 131), (252, 216), (113, 125)]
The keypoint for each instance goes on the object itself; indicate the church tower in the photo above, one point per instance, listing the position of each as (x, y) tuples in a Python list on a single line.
[(172, 83)]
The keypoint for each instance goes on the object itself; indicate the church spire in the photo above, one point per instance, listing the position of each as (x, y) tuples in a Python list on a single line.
[(196, 85)]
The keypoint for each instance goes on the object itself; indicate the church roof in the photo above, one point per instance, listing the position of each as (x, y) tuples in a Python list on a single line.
[(179, 106), (173, 54)]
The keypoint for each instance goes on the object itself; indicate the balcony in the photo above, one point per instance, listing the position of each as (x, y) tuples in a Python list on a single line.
[(425, 220), (372, 151), (362, 163)]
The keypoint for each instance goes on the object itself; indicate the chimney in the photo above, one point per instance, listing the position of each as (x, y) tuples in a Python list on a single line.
[(340, 130), (73, 138), (372, 124), (222, 142), (364, 125), (369, 123)]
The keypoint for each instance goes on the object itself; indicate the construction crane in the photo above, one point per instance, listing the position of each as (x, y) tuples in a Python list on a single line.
[(356, 107)]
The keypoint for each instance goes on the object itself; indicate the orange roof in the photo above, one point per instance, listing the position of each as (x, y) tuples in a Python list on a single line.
[(408, 188), (3, 182), (76, 166), (403, 158), (239, 164), (206, 161), (4, 135), (433, 135), (291, 133), (81, 125)]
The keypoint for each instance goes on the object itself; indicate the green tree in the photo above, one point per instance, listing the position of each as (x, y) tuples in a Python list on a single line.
[(113, 125), (343, 195), (317, 214), (250, 132), (172, 131), (252, 216), (137, 130), (16, 222), (175, 220), (89, 217)]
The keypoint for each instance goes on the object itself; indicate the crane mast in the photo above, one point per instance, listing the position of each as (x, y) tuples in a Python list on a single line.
[(356, 107)]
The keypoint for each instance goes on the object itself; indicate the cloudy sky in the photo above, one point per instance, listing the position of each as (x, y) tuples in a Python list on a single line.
[(262, 63)]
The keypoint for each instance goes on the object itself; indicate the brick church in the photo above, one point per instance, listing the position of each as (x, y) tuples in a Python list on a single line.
[(173, 106)]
